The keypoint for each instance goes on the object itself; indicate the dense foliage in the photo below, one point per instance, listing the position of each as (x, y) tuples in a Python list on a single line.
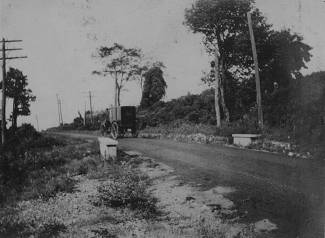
[(307, 109), (32, 165), (303, 120), (281, 55), (16, 88), (192, 108), (35, 167), (154, 88)]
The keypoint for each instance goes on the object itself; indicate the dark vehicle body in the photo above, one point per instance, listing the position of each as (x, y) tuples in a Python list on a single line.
[(119, 121)]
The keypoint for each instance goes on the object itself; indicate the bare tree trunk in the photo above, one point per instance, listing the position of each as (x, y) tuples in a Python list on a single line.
[(115, 87), (216, 90), (118, 95), (222, 94)]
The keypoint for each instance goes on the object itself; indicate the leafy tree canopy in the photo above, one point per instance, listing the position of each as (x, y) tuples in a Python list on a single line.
[(120, 63), (281, 54), (154, 88), (16, 88)]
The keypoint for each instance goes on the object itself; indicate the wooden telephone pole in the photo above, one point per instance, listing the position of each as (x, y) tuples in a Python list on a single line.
[(3, 107), (91, 108), (257, 75), (59, 110), (217, 86)]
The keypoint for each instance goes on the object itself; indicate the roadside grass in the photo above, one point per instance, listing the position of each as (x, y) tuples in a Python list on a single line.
[(42, 174), (39, 172), (12, 226), (204, 228)]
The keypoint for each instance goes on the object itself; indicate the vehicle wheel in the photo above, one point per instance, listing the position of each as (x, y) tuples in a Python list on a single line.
[(114, 130), (135, 133), (121, 133), (102, 130)]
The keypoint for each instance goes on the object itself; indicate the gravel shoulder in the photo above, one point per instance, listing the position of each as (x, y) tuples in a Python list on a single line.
[(186, 210)]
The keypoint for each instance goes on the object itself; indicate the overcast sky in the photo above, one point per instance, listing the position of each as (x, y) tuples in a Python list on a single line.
[(59, 37)]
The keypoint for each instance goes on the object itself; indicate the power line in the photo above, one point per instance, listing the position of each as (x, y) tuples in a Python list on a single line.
[(4, 58), (7, 41), (12, 49)]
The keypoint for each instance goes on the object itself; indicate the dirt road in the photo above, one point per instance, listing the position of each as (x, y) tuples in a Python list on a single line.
[(287, 191)]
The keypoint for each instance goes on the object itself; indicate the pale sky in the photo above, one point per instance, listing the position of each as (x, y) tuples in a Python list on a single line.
[(59, 37)]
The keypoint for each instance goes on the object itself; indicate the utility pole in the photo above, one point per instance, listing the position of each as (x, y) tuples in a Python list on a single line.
[(257, 75), (59, 110), (58, 102), (3, 107), (91, 108), (60, 105), (85, 115), (216, 85)]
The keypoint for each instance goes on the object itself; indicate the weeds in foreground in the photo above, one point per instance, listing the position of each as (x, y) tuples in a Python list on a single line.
[(11, 226), (129, 189), (30, 172)]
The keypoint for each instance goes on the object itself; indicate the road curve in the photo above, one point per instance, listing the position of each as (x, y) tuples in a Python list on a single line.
[(288, 191)]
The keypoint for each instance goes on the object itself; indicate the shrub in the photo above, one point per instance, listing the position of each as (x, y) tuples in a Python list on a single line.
[(83, 166), (52, 229), (128, 190), (105, 232), (11, 225), (34, 173), (47, 183)]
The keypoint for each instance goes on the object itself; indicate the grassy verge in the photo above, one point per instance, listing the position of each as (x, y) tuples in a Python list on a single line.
[(34, 166), (68, 191), (36, 184)]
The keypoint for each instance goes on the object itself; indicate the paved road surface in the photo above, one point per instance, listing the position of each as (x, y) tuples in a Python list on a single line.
[(287, 191)]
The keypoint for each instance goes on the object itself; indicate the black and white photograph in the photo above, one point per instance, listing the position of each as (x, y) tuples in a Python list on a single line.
[(162, 119)]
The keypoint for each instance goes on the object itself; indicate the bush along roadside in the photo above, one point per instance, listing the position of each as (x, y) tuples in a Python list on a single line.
[(37, 167), (129, 189), (64, 186)]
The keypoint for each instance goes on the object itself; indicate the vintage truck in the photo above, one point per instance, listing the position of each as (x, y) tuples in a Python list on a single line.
[(119, 121)]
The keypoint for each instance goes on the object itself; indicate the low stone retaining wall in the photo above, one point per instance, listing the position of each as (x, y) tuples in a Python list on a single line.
[(286, 148), (192, 138), (261, 144)]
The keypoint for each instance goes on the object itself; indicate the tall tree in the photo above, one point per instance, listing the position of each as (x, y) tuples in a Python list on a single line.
[(16, 88), (223, 22), (142, 69), (224, 25), (121, 64), (288, 55), (154, 88)]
